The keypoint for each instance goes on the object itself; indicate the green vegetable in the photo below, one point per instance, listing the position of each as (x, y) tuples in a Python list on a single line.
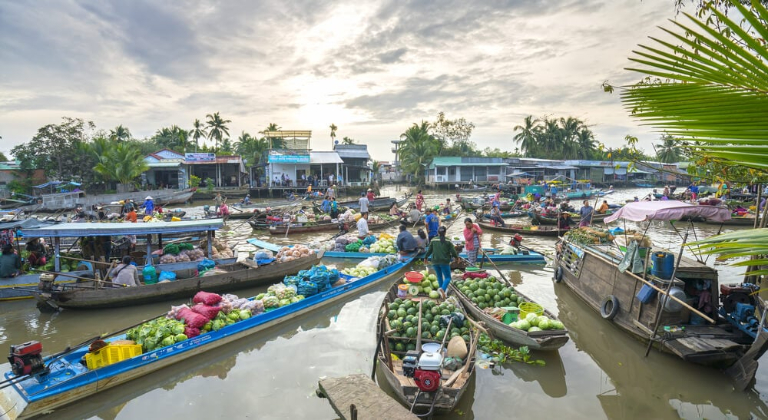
[(180, 337), (234, 315), (245, 314), (168, 341)]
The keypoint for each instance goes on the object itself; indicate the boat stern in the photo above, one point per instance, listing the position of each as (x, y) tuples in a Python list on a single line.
[(12, 404)]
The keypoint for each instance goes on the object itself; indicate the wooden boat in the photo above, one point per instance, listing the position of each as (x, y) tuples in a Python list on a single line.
[(644, 185), (537, 218), (71, 200), (87, 295), (303, 228), (26, 286), (452, 385), (381, 203), (541, 231), (537, 340), (68, 380), (384, 224), (475, 205), (508, 215), (735, 221), (623, 298), (525, 256)]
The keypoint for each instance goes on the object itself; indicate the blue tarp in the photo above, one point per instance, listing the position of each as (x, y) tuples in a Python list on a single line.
[(56, 184)]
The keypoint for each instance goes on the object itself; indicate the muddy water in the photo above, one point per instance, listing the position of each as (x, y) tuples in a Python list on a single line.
[(600, 373)]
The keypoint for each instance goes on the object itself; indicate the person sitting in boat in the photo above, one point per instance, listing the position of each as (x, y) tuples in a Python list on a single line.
[(447, 209), (394, 211), (458, 198), (472, 233), (149, 206), (516, 241), (125, 273), (586, 212), (131, 216), (740, 211), (603, 207), (421, 240), (636, 199), (330, 192), (666, 191), (36, 249), (414, 215), (496, 216), (246, 200), (10, 264), (406, 243), (224, 211), (564, 221), (362, 226), (566, 206)]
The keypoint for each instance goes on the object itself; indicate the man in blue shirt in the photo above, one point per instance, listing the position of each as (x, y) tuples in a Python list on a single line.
[(326, 205), (432, 222), (406, 243)]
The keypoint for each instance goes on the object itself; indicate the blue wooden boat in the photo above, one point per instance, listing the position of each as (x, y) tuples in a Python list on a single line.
[(526, 256), (68, 380), (508, 215)]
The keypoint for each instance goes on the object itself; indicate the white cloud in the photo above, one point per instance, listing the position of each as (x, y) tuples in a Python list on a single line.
[(372, 68)]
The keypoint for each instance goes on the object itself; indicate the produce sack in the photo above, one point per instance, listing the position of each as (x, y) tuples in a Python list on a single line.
[(206, 298), (469, 275), (166, 275), (255, 306), (172, 249), (369, 240), (186, 246), (191, 332), (191, 318), (307, 288), (205, 264), (333, 276), (320, 279), (209, 312), (291, 280)]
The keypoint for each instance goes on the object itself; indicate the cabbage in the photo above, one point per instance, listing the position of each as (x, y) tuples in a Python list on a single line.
[(178, 329), (544, 323), (180, 337), (284, 302), (234, 315), (168, 341), (556, 325), (271, 302), (530, 317), (208, 326), (245, 314), (524, 325), (218, 324), (534, 329)]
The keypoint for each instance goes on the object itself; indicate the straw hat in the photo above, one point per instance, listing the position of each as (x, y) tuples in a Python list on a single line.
[(148, 197)]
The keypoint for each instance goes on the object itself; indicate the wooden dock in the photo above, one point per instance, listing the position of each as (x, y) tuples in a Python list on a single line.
[(358, 397)]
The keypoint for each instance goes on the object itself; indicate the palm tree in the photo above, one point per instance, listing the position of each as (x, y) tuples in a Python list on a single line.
[(713, 89), (217, 127), (526, 137), (333, 133), (417, 150), (251, 148), (119, 134), (586, 144), (274, 142), (198, 132), (347, 140), (668, 151), (122, 163)]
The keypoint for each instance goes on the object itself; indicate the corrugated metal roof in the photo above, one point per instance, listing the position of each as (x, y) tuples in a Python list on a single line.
[(323, 157), (119, 229), (163, 164)]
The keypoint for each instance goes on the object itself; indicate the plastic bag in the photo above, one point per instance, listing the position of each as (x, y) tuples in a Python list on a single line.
[(172, 249), (307, 288), (206, 298), (205, 264), (191, 332), (166, 275)]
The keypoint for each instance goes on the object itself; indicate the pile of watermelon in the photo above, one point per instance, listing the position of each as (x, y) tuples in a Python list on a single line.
[(489, 293), (403, 317)]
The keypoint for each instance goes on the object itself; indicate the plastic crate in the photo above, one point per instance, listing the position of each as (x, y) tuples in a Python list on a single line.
[(111, 354)]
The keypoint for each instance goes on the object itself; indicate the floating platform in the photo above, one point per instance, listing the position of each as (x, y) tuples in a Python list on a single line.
[(358, 397)]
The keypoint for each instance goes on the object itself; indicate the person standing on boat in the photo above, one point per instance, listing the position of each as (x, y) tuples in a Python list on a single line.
[(694, 191), (217, 202), (419, 200), (442, 252), (125, 273), (325, 206), (370, 196), (10, 265), (496, 216), (149, 206), (362, 226), (334, 206), (406, 243), (447, 209), (472, 234), (586, 212), (432, 222), (330, 192), (363, 201)]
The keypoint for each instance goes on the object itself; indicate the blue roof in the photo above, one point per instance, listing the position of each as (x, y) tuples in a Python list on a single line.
[(64, 230)]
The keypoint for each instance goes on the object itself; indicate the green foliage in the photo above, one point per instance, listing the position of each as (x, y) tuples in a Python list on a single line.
[(333, 131), (564, 138), (502, 353), (119, 134), (251, 148), (3, 158), (198, 132), (226, 147), (453, 136), (122, 163), (173, 138), (194, 181), (668, 151), (20, 185), (496, 152), (217, 127), (275, 142), (347, 140), (417, 150), (209, 185)]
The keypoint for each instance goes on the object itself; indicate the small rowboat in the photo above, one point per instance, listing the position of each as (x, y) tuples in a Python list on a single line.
[(317, 227), (735, 221), (381, 203), (451, 385), (541, 231), (68, 380), (538, 340), (508, 215)]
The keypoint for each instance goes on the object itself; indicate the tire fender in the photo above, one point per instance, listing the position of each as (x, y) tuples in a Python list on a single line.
[(558, 274), (609, 307)]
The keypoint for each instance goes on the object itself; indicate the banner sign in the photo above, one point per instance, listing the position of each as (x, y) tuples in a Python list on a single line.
[(200, 157), (288, 158)]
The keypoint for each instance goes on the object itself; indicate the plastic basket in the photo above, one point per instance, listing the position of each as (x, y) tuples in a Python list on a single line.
[(530, 308), (414, 276), (111, 354)]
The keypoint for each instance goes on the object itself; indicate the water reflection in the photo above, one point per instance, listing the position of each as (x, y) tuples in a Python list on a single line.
[(660, 386)]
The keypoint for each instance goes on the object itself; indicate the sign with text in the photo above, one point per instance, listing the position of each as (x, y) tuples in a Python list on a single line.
[(288, 158), (200, 157)]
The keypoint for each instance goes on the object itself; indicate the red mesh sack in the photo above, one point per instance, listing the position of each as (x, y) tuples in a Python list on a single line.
[(209, 312), (470, 275), (191, 332), (207, 298), (191, 318)]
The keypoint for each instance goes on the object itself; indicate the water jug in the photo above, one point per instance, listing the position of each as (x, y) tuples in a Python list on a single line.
[(150, 274), (663, 265)]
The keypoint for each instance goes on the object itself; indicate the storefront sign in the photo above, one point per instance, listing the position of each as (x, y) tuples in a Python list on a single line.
[(200, 157), (288, 158)]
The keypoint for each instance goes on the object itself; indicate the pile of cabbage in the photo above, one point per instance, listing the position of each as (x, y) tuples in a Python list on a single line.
[(370, 265), (160, 332), (383, 245), (279, 295), (533, 322)]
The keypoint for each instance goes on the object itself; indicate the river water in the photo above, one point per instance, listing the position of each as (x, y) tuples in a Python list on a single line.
[(599, 373)]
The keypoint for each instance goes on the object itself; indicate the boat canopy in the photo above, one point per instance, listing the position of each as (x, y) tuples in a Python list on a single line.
[(668, 210), (120, 229), (24, 224), (57, 183)]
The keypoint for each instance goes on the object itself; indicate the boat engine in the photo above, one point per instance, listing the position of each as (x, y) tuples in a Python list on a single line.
[(739, 293), (427, 375), (27, 359)]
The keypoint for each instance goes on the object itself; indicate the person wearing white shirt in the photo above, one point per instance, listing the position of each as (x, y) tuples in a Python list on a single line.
[(362, 226), (363, 203)]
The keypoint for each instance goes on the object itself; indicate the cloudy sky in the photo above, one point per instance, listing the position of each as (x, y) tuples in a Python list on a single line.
[(371, 67)]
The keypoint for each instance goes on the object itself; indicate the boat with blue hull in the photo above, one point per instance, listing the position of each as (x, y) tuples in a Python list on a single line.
[(66, 380), (525, 256)]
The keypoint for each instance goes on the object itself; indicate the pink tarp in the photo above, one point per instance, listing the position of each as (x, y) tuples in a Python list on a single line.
[(668, 210)]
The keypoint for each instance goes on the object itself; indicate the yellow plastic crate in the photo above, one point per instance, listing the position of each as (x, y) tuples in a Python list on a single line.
[(111, 354)]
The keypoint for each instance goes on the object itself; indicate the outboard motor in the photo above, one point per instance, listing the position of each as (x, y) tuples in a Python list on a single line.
[(27, 358)]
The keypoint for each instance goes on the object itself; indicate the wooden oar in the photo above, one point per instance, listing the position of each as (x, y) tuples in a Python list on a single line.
[(418, 331), (494, 265)]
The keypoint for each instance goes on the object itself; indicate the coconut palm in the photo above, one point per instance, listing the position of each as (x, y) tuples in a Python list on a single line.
[(526, 137), (712, 88), (275, 142), (333, 133), (251, 148), (417, 150), (122, 163), (586, 144), (119, 133), (217, 127), (198, 132), (668, 151)]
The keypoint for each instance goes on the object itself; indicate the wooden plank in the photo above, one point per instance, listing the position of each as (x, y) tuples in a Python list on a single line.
[(369, 400), (249, 263)]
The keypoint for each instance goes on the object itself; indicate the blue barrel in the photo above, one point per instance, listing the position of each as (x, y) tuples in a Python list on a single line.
[(663, 265)]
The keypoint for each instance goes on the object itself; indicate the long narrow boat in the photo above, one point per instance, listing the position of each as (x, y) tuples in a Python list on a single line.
[(532, 230), (451, 385), (67, 380), (537, 340), (508, 215), (384, 224), (70, 200), (474, 205), (317, 227), (25, 286), (381, 203), (87, 295), (539, 219), (735, 221), (627, 300), (524, 256)]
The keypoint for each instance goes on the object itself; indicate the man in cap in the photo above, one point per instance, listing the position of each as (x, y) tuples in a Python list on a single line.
[(432, 221)]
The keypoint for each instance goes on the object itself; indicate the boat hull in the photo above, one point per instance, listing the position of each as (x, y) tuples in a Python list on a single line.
[(68, 201), (16, 402), (542, 231), (283, 230), (100, 298)]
